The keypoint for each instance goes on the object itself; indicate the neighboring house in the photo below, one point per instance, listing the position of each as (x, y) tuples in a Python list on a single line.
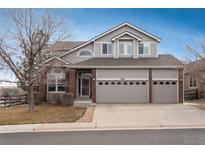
[(122, 65), (194, 80)]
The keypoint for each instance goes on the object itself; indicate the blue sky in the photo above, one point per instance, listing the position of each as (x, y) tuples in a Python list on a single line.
[(175, 27)]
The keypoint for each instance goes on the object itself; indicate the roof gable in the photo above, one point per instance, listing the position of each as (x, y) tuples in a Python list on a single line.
[(129, 25), (126, 33)]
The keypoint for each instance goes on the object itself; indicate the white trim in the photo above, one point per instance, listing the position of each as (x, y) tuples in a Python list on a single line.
[(87, 50), (125, 48), (165, 79), (119, 79), (127, 24), (126, 33), (149, 45)]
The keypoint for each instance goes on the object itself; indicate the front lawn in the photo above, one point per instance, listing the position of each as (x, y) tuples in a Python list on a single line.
[(42, 114)]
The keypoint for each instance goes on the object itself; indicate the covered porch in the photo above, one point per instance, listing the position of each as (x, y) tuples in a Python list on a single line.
[(81, 83)]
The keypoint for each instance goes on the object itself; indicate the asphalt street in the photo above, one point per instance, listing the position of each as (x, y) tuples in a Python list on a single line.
[(116, 137)]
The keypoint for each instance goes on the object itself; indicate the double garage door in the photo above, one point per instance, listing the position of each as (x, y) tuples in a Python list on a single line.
[(131, 86)]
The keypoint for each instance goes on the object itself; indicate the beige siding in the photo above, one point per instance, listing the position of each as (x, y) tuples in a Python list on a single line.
[(122, 73), (73, 56), (164, 73), (109, 36)]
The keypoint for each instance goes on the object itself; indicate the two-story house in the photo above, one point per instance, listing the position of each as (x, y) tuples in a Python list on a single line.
[(121, 65)]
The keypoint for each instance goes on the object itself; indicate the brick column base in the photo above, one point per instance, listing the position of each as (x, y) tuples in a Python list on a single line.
[(72, 82), (93, 85), (181, 86)]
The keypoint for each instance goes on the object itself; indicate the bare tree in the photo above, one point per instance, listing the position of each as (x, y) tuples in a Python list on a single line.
[(32, 37), (196, 62)]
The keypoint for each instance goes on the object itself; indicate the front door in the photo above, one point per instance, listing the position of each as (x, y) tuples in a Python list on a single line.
[(85, 86)]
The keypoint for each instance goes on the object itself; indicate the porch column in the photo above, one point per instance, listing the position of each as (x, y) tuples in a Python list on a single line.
[(72, 82), (43, 88), (180, 86), (94, 85), (150, 85)]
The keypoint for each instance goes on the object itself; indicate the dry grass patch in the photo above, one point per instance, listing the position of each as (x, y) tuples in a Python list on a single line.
[(42, 114)]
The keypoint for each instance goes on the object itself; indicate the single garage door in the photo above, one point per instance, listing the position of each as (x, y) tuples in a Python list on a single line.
[(122, 91), (164, 91)]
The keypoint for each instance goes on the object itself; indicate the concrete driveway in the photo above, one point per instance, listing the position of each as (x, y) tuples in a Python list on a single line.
[(148, 116)]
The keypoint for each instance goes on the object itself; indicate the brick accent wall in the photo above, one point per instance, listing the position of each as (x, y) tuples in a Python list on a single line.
[(150, 85), (72, 82), (43, 88), (181, 86), (94, 85)]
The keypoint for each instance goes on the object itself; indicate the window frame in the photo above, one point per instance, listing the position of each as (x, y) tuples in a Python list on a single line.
[(148, 44), (192, 80), (84, 50), (126, 44), (107, 43), (56, 77)]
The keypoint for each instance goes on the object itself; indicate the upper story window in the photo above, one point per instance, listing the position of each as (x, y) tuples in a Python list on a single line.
[(85, 53), (56, 81), (106, 49), (144, 48), (192, 81), (125, 47)]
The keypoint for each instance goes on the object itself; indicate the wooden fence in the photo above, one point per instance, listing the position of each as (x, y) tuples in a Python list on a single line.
[(13, 100)]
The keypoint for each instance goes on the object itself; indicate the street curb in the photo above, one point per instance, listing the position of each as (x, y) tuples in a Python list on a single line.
[(93, 128)]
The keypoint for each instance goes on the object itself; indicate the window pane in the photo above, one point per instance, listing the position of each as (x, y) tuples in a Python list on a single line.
[(121, 48), (141, 49), (51, 79), (146, 50), (104, 48), (61, 83), (129, 49), (51, 87), (109, 48), (85, 53)]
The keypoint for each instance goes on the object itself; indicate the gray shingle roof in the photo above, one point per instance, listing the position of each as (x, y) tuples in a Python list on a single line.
[(163, 60)]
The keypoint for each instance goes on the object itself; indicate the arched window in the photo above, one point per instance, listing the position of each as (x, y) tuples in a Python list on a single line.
[(143, 83), (85, 53), (131, 83), (137, 83), (100, 83), (161, 83), (56, 80), (155, 83), (173, 83)]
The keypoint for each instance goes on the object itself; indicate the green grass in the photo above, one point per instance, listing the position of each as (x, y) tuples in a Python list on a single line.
[(42, 114)]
